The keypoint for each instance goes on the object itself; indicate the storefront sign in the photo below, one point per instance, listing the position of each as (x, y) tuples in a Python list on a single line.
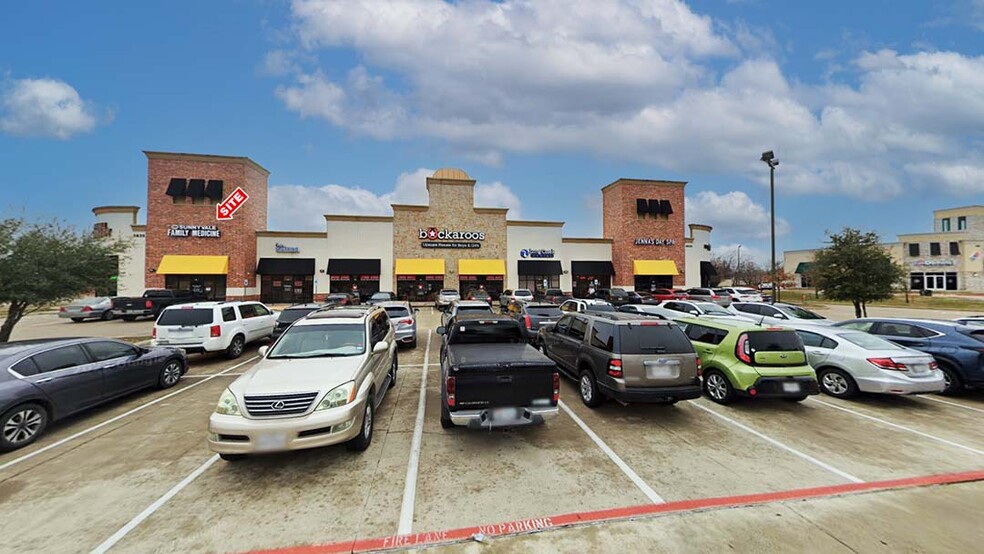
[(282, 249), (198, 231), (450, 245), (654, 242), (653, 207), (536, 253), (232, 203), (934, 263), (445, 238)]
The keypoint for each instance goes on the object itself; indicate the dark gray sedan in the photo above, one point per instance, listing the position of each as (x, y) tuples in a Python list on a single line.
[(47, 379)]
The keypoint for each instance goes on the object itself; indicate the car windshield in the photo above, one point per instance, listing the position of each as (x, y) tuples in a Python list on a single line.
[(545, 311), (800, 313), (473, 309), (618, 292), (397, 311), (869, 342), (522, 292), (449, 291), (710, 308), (746, 291), (774, 341), (157, 294), (480, 332), (290, 315), (554, 292), (186, 317), (321, 341), (647, 338), (381, 296), (599, 308), (720, 291)]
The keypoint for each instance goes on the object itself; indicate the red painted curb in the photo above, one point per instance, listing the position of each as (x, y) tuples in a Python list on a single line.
[(615, 514)]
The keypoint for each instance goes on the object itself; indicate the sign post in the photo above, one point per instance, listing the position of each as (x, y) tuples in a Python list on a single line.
[(224, 211)]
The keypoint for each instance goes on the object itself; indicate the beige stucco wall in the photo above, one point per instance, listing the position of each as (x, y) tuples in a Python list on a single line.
[(361, 238), (122, 223), (696, 252), (533, 237), (792, 258), (311, 245), (582, 250)]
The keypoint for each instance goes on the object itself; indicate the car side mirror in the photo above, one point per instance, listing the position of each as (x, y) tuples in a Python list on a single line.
[(442, 330), (263, 350), (416, 310), (781, 316), (381, 346), (693, 312)]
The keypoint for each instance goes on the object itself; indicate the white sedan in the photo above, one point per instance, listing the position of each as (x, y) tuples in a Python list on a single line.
[(672, 309), (777, 314), (848, 361)]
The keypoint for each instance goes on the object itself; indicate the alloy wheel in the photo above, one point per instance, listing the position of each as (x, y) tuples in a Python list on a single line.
[(586, 389), (171, 373), (716, 386), (367, 420), (237, 347), (835, 383), (22, 426), (946, 379)]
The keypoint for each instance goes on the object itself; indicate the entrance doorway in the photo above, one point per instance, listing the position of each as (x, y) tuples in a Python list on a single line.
[(418, 288), (649, 283), (209, 287)]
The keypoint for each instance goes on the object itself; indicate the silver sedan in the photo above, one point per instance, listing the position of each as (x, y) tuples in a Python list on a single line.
[(88, 308), (848, 361)]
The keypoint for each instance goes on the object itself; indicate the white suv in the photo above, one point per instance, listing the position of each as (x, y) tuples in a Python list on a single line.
[(318, 385), (214, 326)]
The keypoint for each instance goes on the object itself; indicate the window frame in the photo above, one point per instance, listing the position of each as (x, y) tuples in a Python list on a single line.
[(913, 249), (583, 331), (935, 249), (92, 355), (85, 356)]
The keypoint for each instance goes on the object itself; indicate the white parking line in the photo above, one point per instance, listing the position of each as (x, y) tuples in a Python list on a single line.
[(149, 510), (119, 417), (410, 485), (901, 427), (941, 401), (778, 444), (632, 475), (201, 375)]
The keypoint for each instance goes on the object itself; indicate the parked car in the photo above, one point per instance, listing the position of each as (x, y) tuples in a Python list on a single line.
[(627, 357), (848, 362), (680, 294), (290, 315), (586, 305), (342, 299), (404, 320), (777, 314), (319, 385), (634, 297), (675, 309), (445, 297), (740, 358), (480, 295), (151, 303), (491, 377), (743, 294), (518, 295), (554, 296), (381, 296), (661, 295), (464, 306), (214, 326), (648, 310), (48, 379), (718, 296), (974, 321), (99, 307), (532, 315), (958, 349), (616, 296)]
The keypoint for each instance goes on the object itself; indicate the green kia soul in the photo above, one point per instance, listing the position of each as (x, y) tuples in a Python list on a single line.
[(744, 359)]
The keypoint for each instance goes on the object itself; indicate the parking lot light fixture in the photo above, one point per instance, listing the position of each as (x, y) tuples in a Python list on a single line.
[(770, 159)]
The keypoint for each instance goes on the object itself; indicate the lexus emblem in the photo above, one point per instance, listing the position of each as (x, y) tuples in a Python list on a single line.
[(278, 405)]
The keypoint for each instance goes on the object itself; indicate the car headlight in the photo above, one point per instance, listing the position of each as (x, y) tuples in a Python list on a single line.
[(227, 404), (338, 396)]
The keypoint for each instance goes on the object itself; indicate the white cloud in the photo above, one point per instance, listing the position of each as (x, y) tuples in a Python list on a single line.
[(733, 216), (761, 256), (297, 207), (44, 108)]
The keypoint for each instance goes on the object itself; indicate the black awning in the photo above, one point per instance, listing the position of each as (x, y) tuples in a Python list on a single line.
[(539, 267), (593, 268), (176, 187), (353, 266), (213, 190), (707, 268), (196, 188), (286, 266)]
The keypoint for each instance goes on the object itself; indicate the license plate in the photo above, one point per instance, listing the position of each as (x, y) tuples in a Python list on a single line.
[(790, 387), (275, 441), (163, 341), (662, 369), (505, 414)]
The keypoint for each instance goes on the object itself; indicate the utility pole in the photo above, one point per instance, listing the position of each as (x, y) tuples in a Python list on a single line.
[(770, 158)]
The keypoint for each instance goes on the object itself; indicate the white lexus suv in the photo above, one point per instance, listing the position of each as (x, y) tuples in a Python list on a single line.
[(318, 385), (214, 326)]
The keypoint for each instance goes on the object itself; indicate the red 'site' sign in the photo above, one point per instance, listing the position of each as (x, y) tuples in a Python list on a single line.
[(232, 203)]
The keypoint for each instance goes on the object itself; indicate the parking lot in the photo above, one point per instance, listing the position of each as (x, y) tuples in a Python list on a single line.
[(136, 476)]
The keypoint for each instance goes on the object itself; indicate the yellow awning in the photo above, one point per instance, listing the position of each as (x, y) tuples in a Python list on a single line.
[(407, 266), (654, 267), (193, 265), (481, 267)]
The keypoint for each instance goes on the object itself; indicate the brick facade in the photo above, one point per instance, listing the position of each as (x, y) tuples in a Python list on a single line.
[(238, 236), (623, 224)]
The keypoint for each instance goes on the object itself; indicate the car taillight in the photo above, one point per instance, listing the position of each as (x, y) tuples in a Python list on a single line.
[(471, 297), (526, 320), (62, 309), (615, 368), (215, 331), (153, 333), (556, 381), (149, 304), (405, 322), (934, 365), (700, 370), (449, 387), (887, 363), (87, 309), (743, 350)]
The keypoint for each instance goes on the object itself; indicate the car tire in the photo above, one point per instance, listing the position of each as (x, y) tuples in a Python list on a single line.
[(836, 383), (22, 425), (394, 367), (232, 457), (446, 422), (954, 383), (78, 319), (170, 374), (588, 389), (106, 316), (364, 438), (236, 347), (413, 343), (718, 388), (129, 318)]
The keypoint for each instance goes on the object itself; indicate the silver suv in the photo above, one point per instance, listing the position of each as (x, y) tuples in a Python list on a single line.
[(318, 385), (628, 357)]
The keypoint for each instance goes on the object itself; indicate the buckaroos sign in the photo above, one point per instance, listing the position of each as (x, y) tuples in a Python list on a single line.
[(434, 237)]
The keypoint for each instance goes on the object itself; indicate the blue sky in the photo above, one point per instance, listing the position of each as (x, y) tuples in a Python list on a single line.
[(875, 109)]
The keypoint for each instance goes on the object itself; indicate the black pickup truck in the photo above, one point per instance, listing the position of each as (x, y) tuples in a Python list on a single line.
[(151, 303), (491, 377)]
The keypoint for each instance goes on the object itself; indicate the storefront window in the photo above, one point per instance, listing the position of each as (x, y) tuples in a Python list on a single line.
[(585, 284), (418, 288), (492, 284), (363, 285), (287, 289), (539, 283), (653, 282), (211, 287)]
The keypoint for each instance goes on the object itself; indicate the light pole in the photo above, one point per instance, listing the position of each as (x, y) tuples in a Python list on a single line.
[(770, 159), (738, 267)]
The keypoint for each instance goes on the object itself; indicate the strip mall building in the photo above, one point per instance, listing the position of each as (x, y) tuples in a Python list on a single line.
[(448, 243)]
